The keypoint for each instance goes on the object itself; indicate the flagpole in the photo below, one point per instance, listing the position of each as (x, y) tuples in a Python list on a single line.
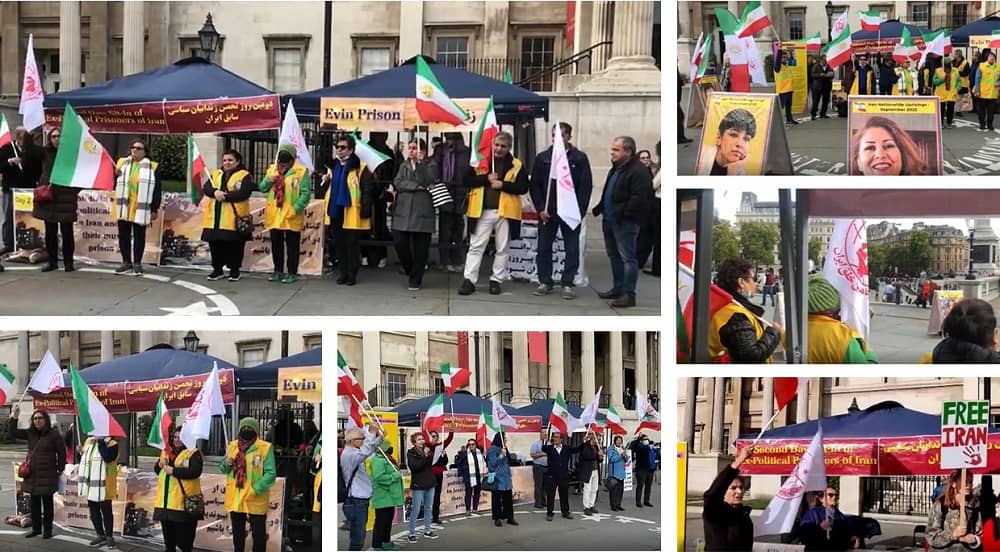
[(373, 416), (765, 426)]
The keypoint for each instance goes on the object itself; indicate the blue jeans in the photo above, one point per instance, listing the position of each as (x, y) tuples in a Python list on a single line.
[(421, 498), (356, 513), (620, 241), (543, 258)]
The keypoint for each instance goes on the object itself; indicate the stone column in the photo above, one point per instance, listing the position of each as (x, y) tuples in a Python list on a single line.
[(633, 35), (737, 414), (495, 364), (641, 364), (708, 432), (616, 370), (411, 29), (422, 361), (600, 31), (69, 45), (719, 416), (588, 365), (495, 29), (802, 405), (53, 344), (12, 54), (520, 396), (145, 341), (557, 364), (686, 37), (767, 408), (133, 38), (371, 362), (689, 412), (23, 373), (107, 345)]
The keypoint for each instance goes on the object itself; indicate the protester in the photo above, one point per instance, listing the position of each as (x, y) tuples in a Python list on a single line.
[(558, 475), (136, 204), (649, 234), (881, 148), (46, 459), (944, 530), (375, 255), (864, 78), (830, 340), (822, 87), (440, 464), (98, 471), (21, 168), (544, 196), (769, 284), (906, 80), (964, 70), (588, 471), (946, 84), (539, 468), (287, 186), (495, 205), (228, 200), (727, 523), (736, 331), (643, 466), (970, 334), (886, 75), (681, 138), (452, 160), (987, 499), (387, 495), (58, 213), (985, 88), (413, 212), (349, 198), (179, 477), (250, 474), (359, 446), (783, 84), (825, 527), (617, 456), (977, 57), (502, 499), (422, 483), (624, 205), (471, 465)]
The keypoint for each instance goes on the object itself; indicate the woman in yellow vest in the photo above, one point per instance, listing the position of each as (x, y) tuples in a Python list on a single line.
[(735, 331), (350, 195), (985, 88), (906, 80), (98, 483), (830, 340), (228, 194), (970, 331), (136, 201), (287, 185), (946, 83), (250, 473), (179, 476), (783, 83)]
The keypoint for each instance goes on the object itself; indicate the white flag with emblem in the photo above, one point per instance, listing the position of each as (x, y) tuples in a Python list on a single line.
[(291, 133), (808, 475), (846, 267)]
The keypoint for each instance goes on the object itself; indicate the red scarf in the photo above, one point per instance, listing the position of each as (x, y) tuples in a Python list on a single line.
[(240, 462), (279, 186), (947, 78)]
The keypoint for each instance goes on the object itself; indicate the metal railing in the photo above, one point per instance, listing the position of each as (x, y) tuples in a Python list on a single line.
[(572, 396), (538, 393), (910, 495), (535, 77)]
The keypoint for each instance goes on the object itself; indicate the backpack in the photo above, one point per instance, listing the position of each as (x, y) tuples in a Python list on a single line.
[(344, 488)]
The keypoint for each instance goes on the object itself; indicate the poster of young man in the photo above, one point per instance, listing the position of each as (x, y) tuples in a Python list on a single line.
[(735, 136), (893, 136)]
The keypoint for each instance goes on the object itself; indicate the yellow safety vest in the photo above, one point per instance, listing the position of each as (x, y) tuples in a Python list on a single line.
[(227, 219), (906, 76), (169, 495), (244, 500), (947, 95), (960, 68), (352, 215), (988, 81), (828, 340), (783, 80), (286, 218), (720, 319), (871, 83), (510, 204)]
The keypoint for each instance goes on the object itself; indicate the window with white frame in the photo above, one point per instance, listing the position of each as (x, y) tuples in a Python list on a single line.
[(395, 386), (373, 60), (538, 54), (452, 51), (252, 353), (796, 23), (920, 13), (286, 56)]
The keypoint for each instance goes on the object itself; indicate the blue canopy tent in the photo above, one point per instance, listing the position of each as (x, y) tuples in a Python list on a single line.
[(543, 408), (885, 419), (984, 26), (265, 376), (150, 365), (886, 38), (465, 403)]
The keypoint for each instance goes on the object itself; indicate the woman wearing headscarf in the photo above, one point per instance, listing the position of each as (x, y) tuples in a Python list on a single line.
[(617, 456), (228, 194), (138, 191), (46, 459), (250, 474), (179, 470), (287, 185), (387, 495), (99, 484), (59, 213), (498, 460)]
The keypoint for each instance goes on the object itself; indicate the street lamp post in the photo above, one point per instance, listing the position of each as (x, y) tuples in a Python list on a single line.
[(972, 233), (829, 21), (191, 342), (209, 38)]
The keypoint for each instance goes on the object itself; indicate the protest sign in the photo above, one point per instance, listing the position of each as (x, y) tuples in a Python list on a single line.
[(941, 305), (893, 135), (964, 434), (798, 64), (743, 135)]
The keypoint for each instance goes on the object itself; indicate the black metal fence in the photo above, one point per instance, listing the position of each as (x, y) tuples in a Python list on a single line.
[(909, 495), (538, 393)]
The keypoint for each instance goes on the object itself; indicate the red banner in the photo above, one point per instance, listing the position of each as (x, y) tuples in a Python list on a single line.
[(887, 456), (466, 423), (179, 117), (140, 396)]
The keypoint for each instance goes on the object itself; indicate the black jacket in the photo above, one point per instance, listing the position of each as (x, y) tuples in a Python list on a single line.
[(421, 474), (47, 455), (63, 207), (25, 176), (559, 461), (466, 470), (192, 471), (583, 180), (462, 171), (589, 461), (246, 189), (954, 351), (633, 196), (740, 339), (641, 460), (727, 527), (518, 187)]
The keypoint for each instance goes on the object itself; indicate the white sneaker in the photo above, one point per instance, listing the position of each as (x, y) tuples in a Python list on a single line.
[(382, 263)]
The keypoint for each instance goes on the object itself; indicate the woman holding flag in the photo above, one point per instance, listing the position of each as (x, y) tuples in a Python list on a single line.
[(59, 212), (99, 484), (726, 520), (617, 456), (45, 460), (228, 194), (179, 478), (387, 495), (498, 460)]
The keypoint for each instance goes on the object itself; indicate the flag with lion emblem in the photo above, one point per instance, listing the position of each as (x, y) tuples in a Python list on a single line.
[(81, 162)]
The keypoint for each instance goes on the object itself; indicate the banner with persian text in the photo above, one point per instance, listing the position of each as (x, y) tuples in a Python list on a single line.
[(467, 423)]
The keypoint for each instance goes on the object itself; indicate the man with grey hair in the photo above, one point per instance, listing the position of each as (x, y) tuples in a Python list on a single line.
[(625, 204), (21, 167), (495, 206), (358, 446)]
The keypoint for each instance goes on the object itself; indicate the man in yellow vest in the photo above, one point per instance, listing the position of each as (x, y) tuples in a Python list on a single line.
[(495, 206), (964, 71), (986, 90), (250, 474), (864, 78), (783, 83), (830, 340), (946, 82)]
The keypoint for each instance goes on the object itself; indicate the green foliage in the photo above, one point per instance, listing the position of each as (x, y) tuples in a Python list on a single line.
[(757, 241), (918, 252), (877, 259), (725, 243), (7, 430), (143, 425), (171, 153), (816, 251)]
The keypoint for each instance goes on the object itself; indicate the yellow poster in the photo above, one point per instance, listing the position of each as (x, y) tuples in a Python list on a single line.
[(980, 41), (893, 135), (734, 138), (302, 383), (392, 114), (389, 421), (800, 75), (681, 493)]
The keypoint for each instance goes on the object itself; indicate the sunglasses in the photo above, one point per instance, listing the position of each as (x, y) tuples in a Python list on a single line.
[(831, 495), (54, 135), (138, 148), (340, 147)]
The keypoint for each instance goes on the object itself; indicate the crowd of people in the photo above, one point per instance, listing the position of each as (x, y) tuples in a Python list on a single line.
[(420, 191), (556, 466)]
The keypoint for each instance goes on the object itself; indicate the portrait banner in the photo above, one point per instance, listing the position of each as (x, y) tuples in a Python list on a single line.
[(800, 75), (894, 135), (743, 135), (941, 305)]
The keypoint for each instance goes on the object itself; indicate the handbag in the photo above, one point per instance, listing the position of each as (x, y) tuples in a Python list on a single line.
[(193, 504), (440, 195), (43, 193), (24, 470), (244, 225), (489, 482)]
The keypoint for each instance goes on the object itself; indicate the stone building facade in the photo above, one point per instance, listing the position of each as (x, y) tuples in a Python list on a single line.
[(949, 245)]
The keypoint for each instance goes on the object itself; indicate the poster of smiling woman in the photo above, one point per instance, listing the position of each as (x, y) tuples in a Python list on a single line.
[(740, 137), (893, 136)]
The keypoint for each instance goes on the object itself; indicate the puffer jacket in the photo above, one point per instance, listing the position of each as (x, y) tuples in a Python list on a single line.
[(740, 339), (954, 351)]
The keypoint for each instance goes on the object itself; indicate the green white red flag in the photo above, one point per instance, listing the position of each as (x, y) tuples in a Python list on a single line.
[(739, 70), (754, 19), (871, 19), (614, 421), (454, 378), (649, 418), (839, 51), (995, 39), (197, 171), (5, 135), (346, 384), (368, 155), (560, 418), (6, 385), (95, 419), (702, 68), (353, 412), (159, 432), (482, 141), (485, 430), (81, 162), (905, 49), (433, 103), (814, 43), (434, 420)]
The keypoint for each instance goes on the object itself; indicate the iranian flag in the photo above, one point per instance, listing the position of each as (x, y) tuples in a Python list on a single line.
[(938, 43), (717, 299), (739, 70), (754, 19), (197, 171), (838, 52), (353, 412), (5, 135), (696, 56), (367, 154), (785, 389), (81, 162), (905, 49), (433, 103), (814, 43), (6, 385), (434, 420), (871, 19), (702, 68), (159, 432), (808, 475), (454, 378), (995, 39), (482, 142), (346, 384), (485, 430), (560, 418), (614, 421), (649, 418), (95, 419), (846, 268)]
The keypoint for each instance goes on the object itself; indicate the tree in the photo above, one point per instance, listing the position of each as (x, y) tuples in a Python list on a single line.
[(816, 250), (877, 260), (918, 252), (757, 241), (725, 243), (896, 259)]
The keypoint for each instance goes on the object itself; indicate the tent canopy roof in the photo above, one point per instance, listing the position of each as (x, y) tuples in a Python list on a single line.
[(465, 403), (189, 79), (266, 375), (891, 29), (150, 365), (543, 408), (508, 100), (984, 26)]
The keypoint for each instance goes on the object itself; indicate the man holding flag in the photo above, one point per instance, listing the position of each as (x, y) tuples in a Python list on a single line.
[(561, 184)]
